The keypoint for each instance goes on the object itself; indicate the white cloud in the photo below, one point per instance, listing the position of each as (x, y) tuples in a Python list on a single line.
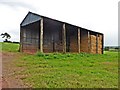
[(96, 15)]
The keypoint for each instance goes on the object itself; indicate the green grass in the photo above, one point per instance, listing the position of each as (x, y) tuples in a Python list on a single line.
[(9, 47), (70, 70), (57, 70)]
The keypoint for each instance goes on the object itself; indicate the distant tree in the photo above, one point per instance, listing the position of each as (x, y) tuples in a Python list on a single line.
[(116, 48), (107, 48), (6, 36)]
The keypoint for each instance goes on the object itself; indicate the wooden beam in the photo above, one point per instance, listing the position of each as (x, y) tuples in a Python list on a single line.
[(21, 40), (64, 39), (89, 43), (97, 43), (41, 35), (78, 40), (102, 44)]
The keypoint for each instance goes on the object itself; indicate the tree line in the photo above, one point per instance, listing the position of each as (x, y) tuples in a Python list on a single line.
[(6, 36)]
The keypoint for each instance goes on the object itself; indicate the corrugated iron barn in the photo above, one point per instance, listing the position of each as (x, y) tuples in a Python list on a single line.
[(40, 33)]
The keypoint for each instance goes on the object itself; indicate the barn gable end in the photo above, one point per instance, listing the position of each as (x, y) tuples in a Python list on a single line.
[(30, 18)]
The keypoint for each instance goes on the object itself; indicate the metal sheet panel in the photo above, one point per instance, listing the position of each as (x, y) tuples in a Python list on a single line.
[(30, 18)]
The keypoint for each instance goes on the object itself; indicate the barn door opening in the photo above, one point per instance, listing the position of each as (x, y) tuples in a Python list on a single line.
[(71, 38), (52, 36)]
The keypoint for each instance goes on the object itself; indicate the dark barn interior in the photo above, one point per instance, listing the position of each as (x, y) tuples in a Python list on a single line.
[(71, 38), (39, 33), (52, 36)]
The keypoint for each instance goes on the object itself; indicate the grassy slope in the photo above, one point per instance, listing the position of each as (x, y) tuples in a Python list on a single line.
[(9, 47), (69, 70)]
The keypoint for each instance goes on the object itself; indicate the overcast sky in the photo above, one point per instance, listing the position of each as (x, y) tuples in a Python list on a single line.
[(96, 15)]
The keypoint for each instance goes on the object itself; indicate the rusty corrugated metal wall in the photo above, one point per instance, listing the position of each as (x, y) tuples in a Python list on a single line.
[(30, 37)]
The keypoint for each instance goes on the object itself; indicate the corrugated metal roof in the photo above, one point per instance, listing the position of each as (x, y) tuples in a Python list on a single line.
[(30, 18)]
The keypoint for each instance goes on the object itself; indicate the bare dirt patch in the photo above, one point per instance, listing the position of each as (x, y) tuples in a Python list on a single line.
[(9, 79)]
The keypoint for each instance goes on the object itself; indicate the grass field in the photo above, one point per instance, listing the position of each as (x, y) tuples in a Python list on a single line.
[(58, 70), (9, 47)]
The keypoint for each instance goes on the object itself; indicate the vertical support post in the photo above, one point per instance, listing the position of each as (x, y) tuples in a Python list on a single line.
[(41, 35), (89, 43), (97, 43), (78, 40), (21, 39), (64, 38), (102, 43)]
